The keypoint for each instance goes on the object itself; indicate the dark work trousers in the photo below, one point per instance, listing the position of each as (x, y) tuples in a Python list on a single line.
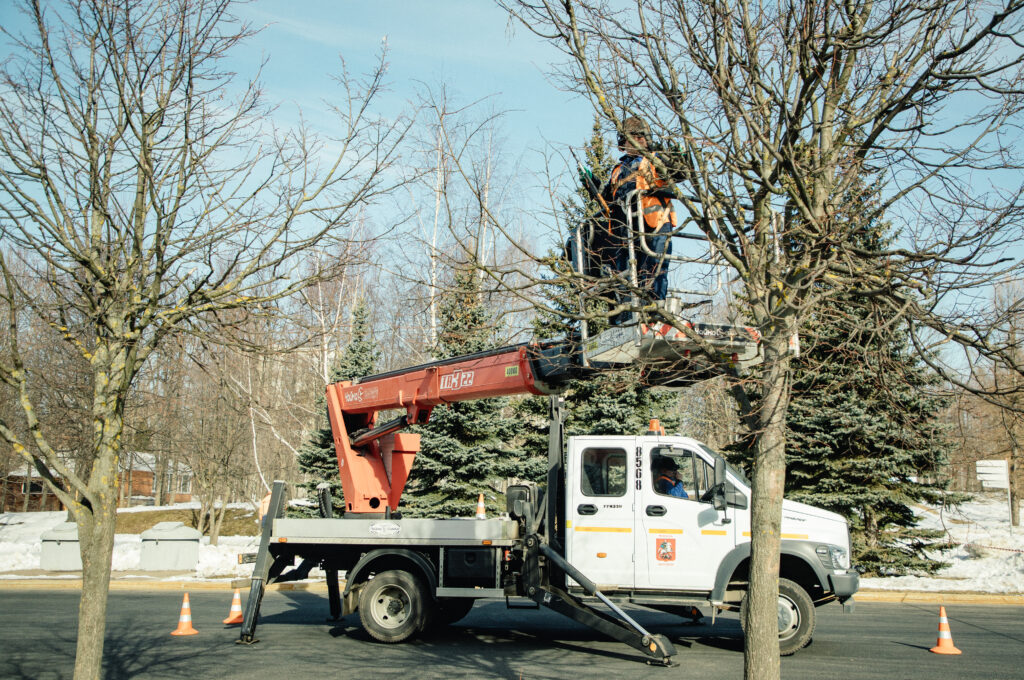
[(652, 270)]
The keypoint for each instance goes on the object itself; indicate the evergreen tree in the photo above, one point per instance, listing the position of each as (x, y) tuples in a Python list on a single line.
[(864, 431), (317, 457), (464, 449)]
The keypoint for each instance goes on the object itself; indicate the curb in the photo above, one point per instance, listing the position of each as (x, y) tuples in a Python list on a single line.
[(141, 585), (924, 597), (227, 585)]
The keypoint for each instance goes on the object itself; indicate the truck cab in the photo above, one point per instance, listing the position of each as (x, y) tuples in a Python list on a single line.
[(664, 521)]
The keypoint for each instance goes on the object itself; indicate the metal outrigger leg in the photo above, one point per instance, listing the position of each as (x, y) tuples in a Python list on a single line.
[(262, 567)]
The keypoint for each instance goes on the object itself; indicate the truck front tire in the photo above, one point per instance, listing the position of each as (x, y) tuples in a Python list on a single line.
[(795, 617), (392, 606)]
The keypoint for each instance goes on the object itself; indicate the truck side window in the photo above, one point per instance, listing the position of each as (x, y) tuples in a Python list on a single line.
[(669, 471), (705, 479), (603, 472)]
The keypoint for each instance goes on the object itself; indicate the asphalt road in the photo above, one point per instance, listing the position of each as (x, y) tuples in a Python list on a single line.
[(37, 641)]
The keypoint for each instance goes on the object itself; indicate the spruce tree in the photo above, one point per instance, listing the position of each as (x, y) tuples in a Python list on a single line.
[(317, 457), (864, 432), (464, 448)]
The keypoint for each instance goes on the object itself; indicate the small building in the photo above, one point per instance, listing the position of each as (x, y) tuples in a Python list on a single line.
[(142, 473), (26, 491)]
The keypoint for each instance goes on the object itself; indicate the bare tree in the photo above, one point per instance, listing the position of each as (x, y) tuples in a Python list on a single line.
[(990, 414), (146, 189), (456, 141), (769, 113), (215, 447)]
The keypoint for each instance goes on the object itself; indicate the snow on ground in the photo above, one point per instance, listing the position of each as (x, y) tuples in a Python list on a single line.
[(21, 533), (989, 556), (19, 537)]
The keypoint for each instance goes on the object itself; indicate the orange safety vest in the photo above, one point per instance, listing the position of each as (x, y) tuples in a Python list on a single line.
[(671, 484), (671, 481), (657, 211)]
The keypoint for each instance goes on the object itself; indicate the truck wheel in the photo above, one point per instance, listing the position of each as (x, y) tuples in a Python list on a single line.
[(392, 606), (795, 617)]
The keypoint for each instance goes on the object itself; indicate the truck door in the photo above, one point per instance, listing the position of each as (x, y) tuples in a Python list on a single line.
[(682, 538), (599, 527)]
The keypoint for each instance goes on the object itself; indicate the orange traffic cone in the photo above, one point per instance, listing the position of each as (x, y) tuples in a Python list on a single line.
[(235, 615), (481, 509), (945, 643), (185, 620)]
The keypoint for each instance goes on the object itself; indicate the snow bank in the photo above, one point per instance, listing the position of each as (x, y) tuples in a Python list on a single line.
[(21, 533), (19, 537), (989, 556), (191, 505)]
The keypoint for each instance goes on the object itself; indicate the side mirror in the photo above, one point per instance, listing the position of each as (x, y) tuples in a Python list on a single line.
[(719, 472), (718, 490)]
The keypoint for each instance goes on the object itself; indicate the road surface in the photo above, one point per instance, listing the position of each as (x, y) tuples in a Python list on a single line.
[(37, 641)]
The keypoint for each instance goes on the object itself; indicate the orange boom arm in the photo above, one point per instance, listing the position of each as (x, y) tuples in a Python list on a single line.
[(374, 461)]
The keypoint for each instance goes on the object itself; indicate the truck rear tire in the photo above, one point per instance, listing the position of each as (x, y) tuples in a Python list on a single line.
[(392, 606), (796, 617)]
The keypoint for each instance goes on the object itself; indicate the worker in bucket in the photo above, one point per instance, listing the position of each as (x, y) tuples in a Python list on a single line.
[(657, 219), (668, 481)]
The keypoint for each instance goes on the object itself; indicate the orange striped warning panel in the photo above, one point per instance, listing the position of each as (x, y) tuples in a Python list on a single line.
[(945, 643)]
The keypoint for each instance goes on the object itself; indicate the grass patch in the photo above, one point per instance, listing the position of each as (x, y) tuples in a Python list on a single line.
[(237, 521)]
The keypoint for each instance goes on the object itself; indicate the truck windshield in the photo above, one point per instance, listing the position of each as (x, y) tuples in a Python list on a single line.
[(736, 472)]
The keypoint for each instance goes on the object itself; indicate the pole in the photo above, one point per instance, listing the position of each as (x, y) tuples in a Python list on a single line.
[(1009, 489)]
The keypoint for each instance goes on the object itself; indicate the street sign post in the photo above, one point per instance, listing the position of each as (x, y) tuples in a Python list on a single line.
[(995, 474)]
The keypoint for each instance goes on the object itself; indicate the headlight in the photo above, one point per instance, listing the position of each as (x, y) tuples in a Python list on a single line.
[(833, 556), (840, 557)]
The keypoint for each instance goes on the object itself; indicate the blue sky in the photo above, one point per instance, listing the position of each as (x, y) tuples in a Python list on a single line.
[(467, 44)]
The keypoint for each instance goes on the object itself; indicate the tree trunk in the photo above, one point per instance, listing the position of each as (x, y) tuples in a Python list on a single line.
[(761, 651), (204, 508), (131, 480), (871, 527), (1014, 492), (26, 488), (438, 185), (158, 480), (96, 543), (216, 520), (96, 514)]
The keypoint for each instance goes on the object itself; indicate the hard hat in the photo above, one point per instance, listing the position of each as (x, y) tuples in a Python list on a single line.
[(666, 463), (636, 126)]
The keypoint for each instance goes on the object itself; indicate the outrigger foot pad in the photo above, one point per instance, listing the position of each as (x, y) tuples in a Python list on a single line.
[(659, 645)]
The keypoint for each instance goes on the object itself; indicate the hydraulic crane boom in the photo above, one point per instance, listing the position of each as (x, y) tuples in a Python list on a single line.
[(374, 461)]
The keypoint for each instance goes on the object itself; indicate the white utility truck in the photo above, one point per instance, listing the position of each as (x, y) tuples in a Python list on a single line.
[(604, 531)]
